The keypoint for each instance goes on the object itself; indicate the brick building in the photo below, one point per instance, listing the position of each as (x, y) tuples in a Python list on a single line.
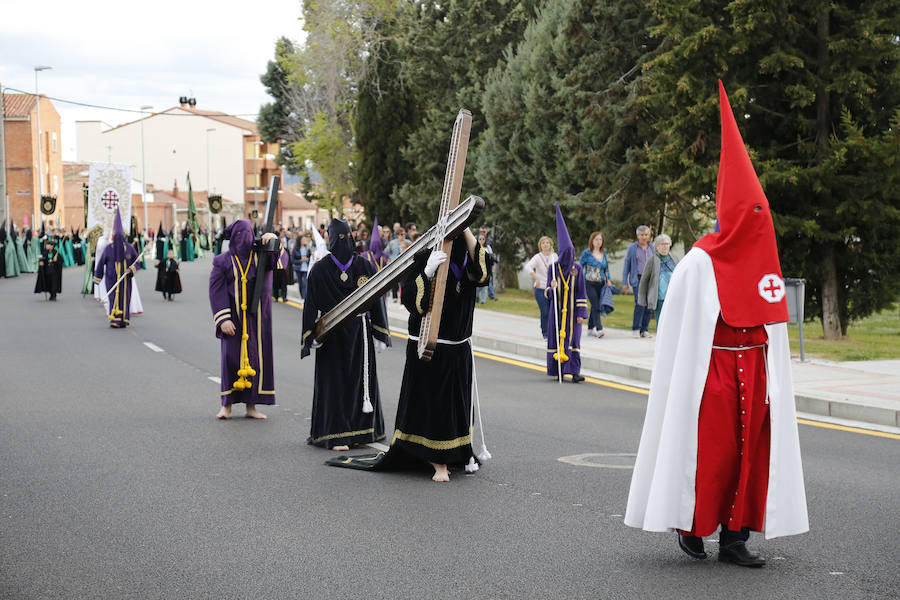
[(23, 186)]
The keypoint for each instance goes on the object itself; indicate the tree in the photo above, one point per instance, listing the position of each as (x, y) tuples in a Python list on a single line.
[(563, 125), (320, 94), (814, 86), (384, 117), (276, 120), (446, 49)]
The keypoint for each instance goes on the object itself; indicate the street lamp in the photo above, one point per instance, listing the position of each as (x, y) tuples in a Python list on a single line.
[(37, 97), (257, 191), (144, 170), (209, 210)]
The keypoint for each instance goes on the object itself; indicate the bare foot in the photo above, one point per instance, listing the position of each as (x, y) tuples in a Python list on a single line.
[(224, 412), (340, 448), (252, 413), (441, 474)]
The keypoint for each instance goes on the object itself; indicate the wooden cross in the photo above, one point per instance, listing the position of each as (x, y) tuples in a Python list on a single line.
[(452, 219)]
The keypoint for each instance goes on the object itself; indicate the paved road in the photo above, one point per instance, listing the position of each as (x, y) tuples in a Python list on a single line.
[(117, 482)]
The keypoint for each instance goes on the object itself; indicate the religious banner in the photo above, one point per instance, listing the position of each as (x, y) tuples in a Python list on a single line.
[(109, 189)]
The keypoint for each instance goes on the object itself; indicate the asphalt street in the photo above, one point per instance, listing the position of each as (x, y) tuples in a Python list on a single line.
[(118, 482)]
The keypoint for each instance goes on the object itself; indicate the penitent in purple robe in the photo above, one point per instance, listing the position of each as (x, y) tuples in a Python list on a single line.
[(117, 259), (575, 303), (225, 299), (568, 304)]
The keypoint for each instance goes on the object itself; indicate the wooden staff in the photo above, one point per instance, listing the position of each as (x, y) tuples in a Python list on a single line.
[(119, 280)]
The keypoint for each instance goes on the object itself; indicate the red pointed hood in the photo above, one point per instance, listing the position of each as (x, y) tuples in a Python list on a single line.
[(743, 252)]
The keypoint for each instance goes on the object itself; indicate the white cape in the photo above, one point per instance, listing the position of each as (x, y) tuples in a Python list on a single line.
[(100, 291), (662, 493)]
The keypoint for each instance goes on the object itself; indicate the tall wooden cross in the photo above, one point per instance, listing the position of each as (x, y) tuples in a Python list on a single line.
[(453, 217)]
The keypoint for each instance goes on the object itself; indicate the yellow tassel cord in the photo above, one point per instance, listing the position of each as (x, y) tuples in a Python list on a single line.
[(245, 369), (116, 311), (562, 356)]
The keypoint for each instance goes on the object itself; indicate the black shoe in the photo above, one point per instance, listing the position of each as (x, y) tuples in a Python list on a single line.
[(692, 546), (737, 553), (577, 378)]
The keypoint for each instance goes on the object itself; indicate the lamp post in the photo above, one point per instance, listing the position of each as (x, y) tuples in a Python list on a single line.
[(37, 97), (208, 208), (256, 192), (144, 170)]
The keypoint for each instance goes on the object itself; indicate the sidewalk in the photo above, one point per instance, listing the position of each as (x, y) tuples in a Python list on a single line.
[(865, 391)]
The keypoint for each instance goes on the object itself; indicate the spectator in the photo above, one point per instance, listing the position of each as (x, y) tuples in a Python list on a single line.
[(596, 278), (300, 263), (655, 280), (635, 258), (482, 292), (489, 244), (398, 229), (537, 267), (411, 231)]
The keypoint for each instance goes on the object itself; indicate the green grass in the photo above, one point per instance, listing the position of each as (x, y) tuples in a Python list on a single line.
[(876, 337)]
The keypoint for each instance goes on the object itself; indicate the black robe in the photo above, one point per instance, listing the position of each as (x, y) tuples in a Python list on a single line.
[(77, 251), (434, 415), (3, 250), (49, 273), (168, 280), (340, 375)]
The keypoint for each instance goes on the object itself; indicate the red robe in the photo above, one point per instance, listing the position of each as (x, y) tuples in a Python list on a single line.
[(733, 434)]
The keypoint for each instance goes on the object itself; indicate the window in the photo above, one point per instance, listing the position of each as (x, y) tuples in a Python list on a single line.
[(55, 177), (53, 141)]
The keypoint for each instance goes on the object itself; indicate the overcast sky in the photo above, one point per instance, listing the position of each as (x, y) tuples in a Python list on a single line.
[(126, 54)]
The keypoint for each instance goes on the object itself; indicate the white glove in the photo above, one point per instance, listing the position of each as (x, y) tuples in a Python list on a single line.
[(434, 261), (315, 344), (380, 346)]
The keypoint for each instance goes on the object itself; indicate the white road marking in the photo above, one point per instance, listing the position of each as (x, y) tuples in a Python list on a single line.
[(378, 446), (215, 379), (153, 347), (591, 460), (835, 572)]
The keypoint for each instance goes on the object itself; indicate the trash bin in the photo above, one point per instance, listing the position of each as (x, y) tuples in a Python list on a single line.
[(795, 294)]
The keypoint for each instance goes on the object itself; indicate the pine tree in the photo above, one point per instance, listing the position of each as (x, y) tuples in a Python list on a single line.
[(815, 86), (384, 117), (563, 126), (447, 50), (275, 120)]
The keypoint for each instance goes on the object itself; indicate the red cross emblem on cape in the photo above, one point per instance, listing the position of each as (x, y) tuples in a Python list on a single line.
[(109, 199), (771, 288)]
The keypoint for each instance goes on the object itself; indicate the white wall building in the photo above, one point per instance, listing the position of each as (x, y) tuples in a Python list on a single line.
[(177, 141)]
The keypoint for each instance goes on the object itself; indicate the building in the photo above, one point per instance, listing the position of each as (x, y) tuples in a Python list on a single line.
[(301, 213), (21, 158), (224, 154)]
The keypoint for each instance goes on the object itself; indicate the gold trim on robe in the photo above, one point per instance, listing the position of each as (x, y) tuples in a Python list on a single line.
[(432, 444)]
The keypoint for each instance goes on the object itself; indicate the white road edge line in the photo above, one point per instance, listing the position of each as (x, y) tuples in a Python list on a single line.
[(378, 446), (153, 347), (215, 379)]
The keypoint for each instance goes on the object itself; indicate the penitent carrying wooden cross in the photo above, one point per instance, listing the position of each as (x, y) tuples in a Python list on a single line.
[(454, 216)]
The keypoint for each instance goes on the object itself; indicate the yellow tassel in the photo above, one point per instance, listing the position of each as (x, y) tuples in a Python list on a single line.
[(245, 369), (561, 355)]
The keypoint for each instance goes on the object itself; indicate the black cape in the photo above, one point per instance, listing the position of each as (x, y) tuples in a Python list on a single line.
[(77, 250), (434, 415), (49, 273), (340, 374), (168, 280)]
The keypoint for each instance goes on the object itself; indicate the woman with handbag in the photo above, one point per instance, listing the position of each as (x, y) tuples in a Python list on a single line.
[(596, 277)]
